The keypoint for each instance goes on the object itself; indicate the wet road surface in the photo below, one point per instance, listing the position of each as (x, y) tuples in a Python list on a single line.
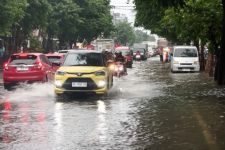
[(151, 108)]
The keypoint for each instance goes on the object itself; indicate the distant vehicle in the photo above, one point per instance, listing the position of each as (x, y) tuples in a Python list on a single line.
[(139, 54), (29, 67), (185, 59), (162, 42), (84, 71), (104, 44), (140, 51), (119, 69), (56, 59), (127, 53)]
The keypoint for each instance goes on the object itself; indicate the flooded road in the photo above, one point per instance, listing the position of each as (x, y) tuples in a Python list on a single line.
[(150, 108)]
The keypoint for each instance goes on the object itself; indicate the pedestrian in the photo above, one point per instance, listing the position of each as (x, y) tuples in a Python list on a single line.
[(2, 50)]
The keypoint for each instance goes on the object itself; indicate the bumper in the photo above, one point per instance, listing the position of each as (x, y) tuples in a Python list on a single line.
[(185, 68), (64, 91), (22, 79), (86, 84)]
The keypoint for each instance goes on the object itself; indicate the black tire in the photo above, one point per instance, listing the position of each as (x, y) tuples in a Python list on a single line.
[(7, 86), (45, 79), (111, 82)]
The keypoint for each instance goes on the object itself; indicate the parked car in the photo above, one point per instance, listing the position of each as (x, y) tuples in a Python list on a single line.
[(56, 59), (84, 71), (29, 67), (185, 59), (139, 54), (127, 53)]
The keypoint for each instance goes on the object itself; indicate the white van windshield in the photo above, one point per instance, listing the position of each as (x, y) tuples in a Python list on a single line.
[(185, 52)]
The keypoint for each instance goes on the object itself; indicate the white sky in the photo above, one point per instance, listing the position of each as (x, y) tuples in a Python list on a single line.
[(127, 10)]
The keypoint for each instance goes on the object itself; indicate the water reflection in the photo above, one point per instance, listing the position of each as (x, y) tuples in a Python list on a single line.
[(101, 122)]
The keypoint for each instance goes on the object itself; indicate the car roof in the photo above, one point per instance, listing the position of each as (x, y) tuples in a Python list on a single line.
[(68, 50), (184, 46), (85, 51), (122, 48), (55, 54), (37, 54)]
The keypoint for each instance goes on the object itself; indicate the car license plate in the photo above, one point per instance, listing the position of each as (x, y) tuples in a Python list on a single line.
[(186, 69), (79, 84), (22, 68), (138, 56)]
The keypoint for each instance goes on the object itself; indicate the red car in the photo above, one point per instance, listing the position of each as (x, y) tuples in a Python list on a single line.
[(56, 59), (29, 67), (126, 52)]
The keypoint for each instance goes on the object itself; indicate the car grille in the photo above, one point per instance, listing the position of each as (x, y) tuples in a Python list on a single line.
[(90, 84), (180, 68), (186, 64)]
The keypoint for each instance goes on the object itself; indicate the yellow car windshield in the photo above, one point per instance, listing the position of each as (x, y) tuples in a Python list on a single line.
[(84, 59)]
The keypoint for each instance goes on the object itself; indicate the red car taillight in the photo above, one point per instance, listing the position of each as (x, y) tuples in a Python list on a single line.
[(37, 66), (5, 66), (40, 65)]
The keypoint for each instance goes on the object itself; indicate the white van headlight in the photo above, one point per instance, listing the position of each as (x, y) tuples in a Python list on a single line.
[(196, 62)]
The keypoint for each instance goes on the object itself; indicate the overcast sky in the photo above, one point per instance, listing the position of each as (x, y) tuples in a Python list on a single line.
[(128, 10)]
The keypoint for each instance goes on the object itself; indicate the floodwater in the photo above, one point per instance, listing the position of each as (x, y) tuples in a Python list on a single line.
[(150, 108)]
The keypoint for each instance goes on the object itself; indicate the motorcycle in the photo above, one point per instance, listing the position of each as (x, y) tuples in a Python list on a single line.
[(137, 56), (119, 69)]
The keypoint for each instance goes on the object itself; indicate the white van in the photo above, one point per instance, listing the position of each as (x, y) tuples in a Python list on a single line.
[(185, 59)]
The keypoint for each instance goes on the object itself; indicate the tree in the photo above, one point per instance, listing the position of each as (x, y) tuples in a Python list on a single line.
[(220, 65), (36, 17), (63, 23), (96, 18), (124, 33), (140, 36), (204, 18), (11, 12)]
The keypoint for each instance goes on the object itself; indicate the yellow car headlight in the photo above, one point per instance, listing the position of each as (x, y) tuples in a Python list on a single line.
[(101, 83)]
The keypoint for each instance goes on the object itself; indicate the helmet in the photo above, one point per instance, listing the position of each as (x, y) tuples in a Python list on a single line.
[(119, 52)]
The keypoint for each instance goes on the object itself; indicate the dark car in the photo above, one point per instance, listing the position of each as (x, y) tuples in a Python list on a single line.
[(29, 67), (139, 54)]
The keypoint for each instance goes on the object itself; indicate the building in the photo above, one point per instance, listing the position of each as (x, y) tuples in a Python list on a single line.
[(118, 17)]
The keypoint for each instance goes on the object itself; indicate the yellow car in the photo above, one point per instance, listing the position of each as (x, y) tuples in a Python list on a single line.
[(83, 71)]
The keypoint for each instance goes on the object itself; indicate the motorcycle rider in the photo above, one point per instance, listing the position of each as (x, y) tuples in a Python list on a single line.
[(120, 58)]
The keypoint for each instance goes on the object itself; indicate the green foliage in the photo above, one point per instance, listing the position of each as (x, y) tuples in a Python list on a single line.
[(140, 36), (182, 22), (36, 16), (35, 45), (96, 17), (11, 11), (124, 33), (66, 20)]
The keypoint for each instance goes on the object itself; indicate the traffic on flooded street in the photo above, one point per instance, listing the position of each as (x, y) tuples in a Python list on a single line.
[(149, 108), (112, 75)]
